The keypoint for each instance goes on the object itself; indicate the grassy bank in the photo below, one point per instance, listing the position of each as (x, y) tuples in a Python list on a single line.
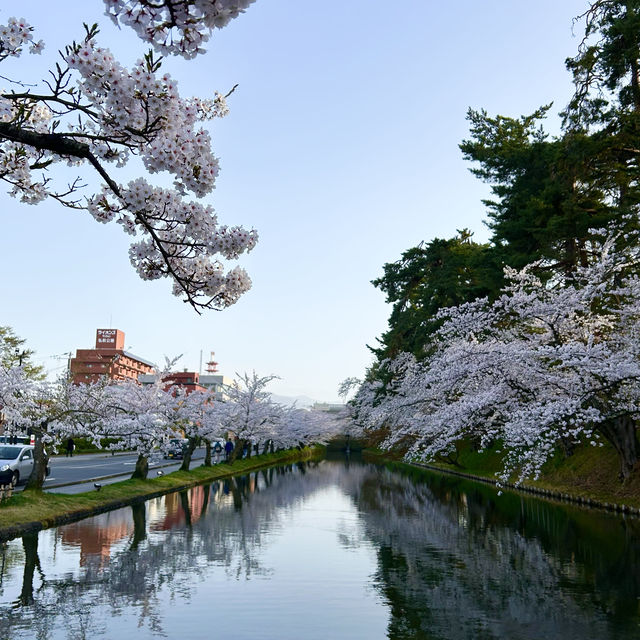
[(590, 473), (32, 510)]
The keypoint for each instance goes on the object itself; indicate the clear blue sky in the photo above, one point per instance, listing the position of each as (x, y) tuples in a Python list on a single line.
[(340, 148)]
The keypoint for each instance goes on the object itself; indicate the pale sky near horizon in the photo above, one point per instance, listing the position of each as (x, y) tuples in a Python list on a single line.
[(341, 148)]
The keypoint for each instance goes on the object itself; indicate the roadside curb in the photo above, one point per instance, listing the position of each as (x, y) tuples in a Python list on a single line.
[(556, 496), (87, 480), (97, 454)]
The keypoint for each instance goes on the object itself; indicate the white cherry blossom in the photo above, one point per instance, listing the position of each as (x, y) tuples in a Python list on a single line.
[(95, 112)]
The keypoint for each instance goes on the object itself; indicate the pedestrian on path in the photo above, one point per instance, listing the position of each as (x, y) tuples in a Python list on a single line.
[(71, 445), (228, 448)]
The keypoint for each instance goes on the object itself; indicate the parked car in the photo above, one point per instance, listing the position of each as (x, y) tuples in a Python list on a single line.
[(16, 463), (176, 448)]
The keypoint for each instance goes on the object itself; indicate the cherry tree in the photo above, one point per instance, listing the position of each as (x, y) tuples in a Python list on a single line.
[(250, 415), (93, 112), (201, 420), (308, 426), (547, 363), (142, 418), (15, 396), (248, 412), (47, 410)]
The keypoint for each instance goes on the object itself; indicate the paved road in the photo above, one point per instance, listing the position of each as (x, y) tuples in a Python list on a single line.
[(96, 467)]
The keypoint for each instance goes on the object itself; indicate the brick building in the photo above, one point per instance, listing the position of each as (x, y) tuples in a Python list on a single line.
[(192, 381), (108, 358)]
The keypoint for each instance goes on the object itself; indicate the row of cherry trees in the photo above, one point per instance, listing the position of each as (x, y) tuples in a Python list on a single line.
[(541, 366), (144, 418), (529, 340)]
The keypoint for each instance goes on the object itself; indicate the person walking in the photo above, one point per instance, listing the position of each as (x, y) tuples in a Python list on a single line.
[(71, 445), (228, 448)]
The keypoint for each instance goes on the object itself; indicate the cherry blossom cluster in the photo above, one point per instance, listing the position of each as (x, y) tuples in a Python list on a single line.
[(145, 418), (13, 384), (145, 112), (249, 414), (14, 169), (185, 240), (141, 418), (95, 111), (178, 27), (542, 366), (15, 159), (32, 404), (14, 36)]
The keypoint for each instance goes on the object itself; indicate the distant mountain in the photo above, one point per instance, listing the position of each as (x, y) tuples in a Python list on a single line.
[(302, 402)]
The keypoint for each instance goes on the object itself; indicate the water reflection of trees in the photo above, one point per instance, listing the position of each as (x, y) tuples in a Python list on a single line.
[(453, 561), (457, 563), (172, 544)]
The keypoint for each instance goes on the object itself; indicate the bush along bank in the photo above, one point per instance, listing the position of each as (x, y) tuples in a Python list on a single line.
[(35, 510), (589, 476)]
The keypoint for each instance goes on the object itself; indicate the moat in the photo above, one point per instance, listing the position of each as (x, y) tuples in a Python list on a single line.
[(329, 550)]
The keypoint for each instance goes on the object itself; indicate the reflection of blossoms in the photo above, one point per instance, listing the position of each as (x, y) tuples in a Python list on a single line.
[(450, 572), (450, 564), (225, 527)]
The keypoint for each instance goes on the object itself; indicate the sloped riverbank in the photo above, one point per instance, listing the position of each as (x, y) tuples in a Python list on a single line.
[(588, 477)]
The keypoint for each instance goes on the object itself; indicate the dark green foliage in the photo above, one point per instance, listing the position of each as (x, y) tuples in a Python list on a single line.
[(606, 103), (606, 68), (428, 277), (548, 194), (545, 197), (13, 353)]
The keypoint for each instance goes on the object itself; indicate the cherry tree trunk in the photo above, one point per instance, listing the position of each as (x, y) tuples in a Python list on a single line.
[(186, 507), (236, 494), (39, 465), (142, 468), (205, 501), (621, 433), (188, 454), (236, 454), (207, 454)]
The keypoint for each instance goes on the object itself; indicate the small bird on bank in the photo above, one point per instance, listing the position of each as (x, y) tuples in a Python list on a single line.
[(160, 472), (97, 486)]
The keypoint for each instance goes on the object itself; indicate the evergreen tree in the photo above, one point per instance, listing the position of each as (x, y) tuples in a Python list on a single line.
[(14, 354), (546, 198), (606, 102), (428, 277)]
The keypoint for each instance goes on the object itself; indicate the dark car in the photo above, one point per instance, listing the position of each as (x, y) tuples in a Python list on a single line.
[(177, 448)]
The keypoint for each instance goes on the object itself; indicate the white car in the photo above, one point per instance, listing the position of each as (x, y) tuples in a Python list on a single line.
[(16, 463)]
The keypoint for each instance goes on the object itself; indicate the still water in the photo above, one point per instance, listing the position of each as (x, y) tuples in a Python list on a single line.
[(328, 551)]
